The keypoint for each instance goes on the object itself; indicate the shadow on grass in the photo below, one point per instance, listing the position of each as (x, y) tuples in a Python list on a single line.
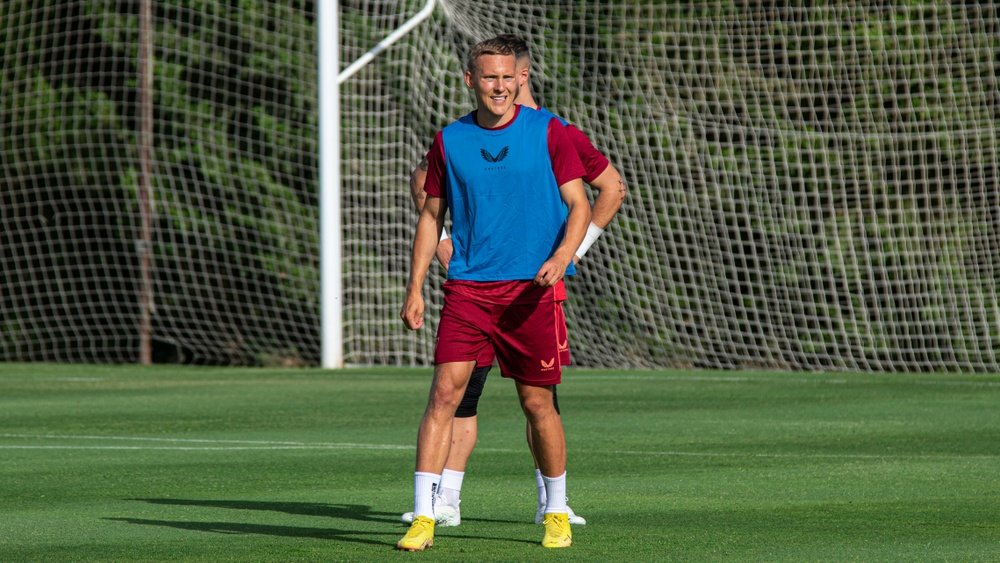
[(291, 531), (343, 511), (355, 512), (261, 529)]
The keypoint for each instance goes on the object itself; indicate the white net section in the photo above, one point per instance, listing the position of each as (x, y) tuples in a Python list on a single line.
[(811, 187), (233, 182)]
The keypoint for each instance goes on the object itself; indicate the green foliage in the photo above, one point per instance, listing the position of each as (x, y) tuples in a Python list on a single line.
[(810, 182)]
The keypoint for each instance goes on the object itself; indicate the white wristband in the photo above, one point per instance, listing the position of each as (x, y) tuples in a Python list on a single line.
[(593, 233), (444, 233)]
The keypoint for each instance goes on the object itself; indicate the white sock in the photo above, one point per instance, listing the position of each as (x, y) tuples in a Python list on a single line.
[(451, 486), (540, 484), (555, 490), (424, 487)]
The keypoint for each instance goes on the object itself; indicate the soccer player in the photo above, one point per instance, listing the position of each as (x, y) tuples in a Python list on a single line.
[(611, 193), (510, 179)]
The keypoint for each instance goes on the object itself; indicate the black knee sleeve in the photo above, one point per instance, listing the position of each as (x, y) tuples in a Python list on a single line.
[(470, 401)]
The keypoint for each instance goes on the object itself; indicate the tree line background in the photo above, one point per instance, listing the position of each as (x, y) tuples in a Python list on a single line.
[(812, 186)]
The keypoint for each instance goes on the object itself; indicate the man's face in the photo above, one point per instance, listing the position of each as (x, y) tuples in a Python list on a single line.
[(495, 81)]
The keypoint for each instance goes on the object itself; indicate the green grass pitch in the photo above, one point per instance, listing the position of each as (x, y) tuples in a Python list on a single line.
[(170, 463)]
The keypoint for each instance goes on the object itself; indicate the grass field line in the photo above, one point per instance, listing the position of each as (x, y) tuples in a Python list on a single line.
[(864, 379), (242, 445), (205, 444)]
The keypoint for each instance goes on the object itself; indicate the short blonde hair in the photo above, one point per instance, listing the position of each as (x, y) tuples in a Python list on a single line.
[(494, 46), (517, 44)]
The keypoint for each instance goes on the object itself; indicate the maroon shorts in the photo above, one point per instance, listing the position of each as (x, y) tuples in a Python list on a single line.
[(529, 340), (487, 356)]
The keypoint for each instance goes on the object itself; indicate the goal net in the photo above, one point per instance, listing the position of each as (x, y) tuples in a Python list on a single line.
[(811, 185)]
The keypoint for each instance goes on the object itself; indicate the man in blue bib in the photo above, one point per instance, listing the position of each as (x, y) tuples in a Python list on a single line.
[(511, 179)]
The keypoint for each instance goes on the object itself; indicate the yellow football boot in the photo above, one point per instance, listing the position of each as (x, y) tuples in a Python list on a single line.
[(557, 531), (419, 537)]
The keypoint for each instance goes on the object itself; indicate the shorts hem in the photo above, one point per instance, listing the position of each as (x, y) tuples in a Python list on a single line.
[(455, 361), (536, 382)]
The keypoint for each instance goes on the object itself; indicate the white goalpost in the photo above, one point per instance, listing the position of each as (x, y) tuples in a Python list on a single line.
[(330, 238), (330, 79)]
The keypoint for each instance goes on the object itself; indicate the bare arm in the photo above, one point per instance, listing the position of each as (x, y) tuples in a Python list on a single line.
[(554, 269), (611, 192), (425, 241), (417, 180)]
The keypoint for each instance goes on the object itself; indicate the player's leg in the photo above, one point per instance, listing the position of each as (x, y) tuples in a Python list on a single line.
[(460, 341), (539, 483), (433, 441), (466, 419), (463, 440), (434, 436), (525, 337), (562, 338), (464, 435), (549, 447), (546, 436), (574, 518)]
